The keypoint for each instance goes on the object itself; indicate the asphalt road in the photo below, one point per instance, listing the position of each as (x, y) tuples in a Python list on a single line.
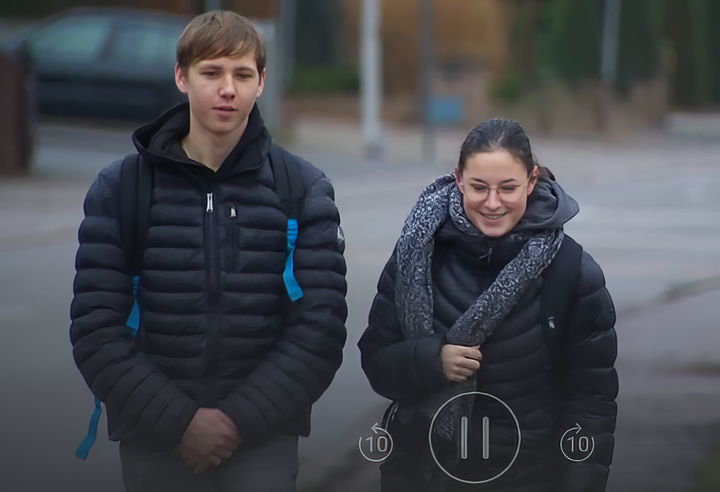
[(648, 215)]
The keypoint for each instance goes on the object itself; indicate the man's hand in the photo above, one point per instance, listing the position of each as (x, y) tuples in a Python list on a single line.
[(211, 435), (459, 362), (194, 461)]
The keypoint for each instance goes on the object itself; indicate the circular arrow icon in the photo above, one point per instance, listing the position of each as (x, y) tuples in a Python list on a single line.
[(378, 446), (575, 446)]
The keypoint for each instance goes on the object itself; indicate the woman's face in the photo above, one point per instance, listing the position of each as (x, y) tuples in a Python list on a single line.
[(495, 188)]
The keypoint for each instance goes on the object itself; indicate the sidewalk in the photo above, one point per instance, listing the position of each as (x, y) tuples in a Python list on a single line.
[(669, 402), (649, 215)]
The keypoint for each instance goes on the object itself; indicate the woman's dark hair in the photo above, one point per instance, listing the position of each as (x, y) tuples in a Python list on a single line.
[(499, 134)]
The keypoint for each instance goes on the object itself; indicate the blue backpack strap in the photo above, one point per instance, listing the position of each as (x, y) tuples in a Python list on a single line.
[(290, 190), (135, 198), (84, 448), (291, 285), (133, 323)]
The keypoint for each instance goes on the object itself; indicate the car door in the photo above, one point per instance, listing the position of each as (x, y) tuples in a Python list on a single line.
[(67, 56), (140, 72)]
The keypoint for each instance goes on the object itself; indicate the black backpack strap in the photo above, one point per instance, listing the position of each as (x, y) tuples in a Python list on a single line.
[(559, 291), (135, 196), (288, 182)]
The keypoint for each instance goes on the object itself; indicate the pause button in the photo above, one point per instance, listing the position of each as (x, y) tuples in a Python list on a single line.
[(485, 442)]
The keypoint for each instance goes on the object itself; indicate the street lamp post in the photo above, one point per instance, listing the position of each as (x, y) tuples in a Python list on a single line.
[(608, 61), (426, 73), (371, 80)]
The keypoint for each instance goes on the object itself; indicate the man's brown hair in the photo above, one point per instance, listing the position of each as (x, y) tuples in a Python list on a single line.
[(217, 34)]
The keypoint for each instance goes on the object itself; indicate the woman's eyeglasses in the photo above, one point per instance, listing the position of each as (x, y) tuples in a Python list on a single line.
[(507, 193)]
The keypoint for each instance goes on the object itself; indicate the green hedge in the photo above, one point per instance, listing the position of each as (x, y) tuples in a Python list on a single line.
[(322, 79)]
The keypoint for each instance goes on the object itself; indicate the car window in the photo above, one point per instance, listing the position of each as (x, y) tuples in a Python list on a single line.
[(148, 43), (72, 39)]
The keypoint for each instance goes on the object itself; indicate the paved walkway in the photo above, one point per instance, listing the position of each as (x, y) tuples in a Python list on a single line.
[(649, 215)]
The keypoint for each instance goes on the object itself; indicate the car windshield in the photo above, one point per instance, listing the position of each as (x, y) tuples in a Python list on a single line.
[(73, 39), (147, 43)]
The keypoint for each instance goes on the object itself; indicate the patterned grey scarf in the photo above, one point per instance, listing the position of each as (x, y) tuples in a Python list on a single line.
[(413, 289)]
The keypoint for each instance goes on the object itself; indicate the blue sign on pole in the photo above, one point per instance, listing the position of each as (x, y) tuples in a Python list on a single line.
[(446, 109)]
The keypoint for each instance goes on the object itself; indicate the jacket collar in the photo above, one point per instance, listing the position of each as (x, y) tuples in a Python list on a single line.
[(158, 142)]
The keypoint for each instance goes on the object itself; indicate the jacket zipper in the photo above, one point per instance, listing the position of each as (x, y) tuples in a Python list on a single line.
[(213, 341)]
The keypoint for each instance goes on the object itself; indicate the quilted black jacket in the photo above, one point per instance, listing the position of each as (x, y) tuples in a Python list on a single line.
[(217, 329), (516, 365)]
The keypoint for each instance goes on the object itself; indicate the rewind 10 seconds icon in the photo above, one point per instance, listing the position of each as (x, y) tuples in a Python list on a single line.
[(376, 447)]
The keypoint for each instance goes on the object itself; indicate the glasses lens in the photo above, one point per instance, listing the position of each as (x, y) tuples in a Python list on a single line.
[(480, 192), (511, 193)]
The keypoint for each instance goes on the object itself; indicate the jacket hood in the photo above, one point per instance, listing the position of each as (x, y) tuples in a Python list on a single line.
[(158, 142), (548, 207)]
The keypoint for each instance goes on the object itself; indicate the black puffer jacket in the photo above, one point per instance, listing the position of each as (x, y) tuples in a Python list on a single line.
[(211, 294), (516, 365)]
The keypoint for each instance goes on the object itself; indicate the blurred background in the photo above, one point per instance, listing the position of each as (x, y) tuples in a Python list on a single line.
[(620, 98)]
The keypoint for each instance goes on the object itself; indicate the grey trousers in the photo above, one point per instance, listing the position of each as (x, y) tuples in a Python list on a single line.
[(271, 466)]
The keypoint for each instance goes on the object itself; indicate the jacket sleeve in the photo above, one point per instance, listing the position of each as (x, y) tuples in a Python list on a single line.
[(140, 400), (303, 363), (398, 368), (590, 382)]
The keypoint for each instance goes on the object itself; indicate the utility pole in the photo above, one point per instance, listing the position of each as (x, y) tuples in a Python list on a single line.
[(371, 80), (608, 60), (288, 11), (426, 74), (611, 34)]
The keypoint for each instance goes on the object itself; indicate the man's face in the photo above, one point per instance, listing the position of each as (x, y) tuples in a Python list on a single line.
[(221, 92)]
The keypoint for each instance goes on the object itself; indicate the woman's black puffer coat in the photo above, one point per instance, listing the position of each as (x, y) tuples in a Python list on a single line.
[(516, 365), (211, 294)]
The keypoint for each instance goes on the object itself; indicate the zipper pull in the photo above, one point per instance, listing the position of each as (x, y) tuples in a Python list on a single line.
[(487, 255), (551, 322), (209, 208), (233, 212)]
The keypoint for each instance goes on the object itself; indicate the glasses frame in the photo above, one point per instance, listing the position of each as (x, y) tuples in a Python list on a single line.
[(500, 197)]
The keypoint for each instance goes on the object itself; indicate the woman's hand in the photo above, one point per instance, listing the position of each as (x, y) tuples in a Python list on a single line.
[(460, 362)]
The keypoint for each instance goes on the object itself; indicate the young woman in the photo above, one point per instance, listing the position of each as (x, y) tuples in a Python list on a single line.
[(496, 345)]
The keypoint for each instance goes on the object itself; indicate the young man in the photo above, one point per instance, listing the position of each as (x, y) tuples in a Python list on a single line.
[(221, 376)]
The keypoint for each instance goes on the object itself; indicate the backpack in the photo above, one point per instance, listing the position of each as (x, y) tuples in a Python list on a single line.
[(136, 182), (559, 291)]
